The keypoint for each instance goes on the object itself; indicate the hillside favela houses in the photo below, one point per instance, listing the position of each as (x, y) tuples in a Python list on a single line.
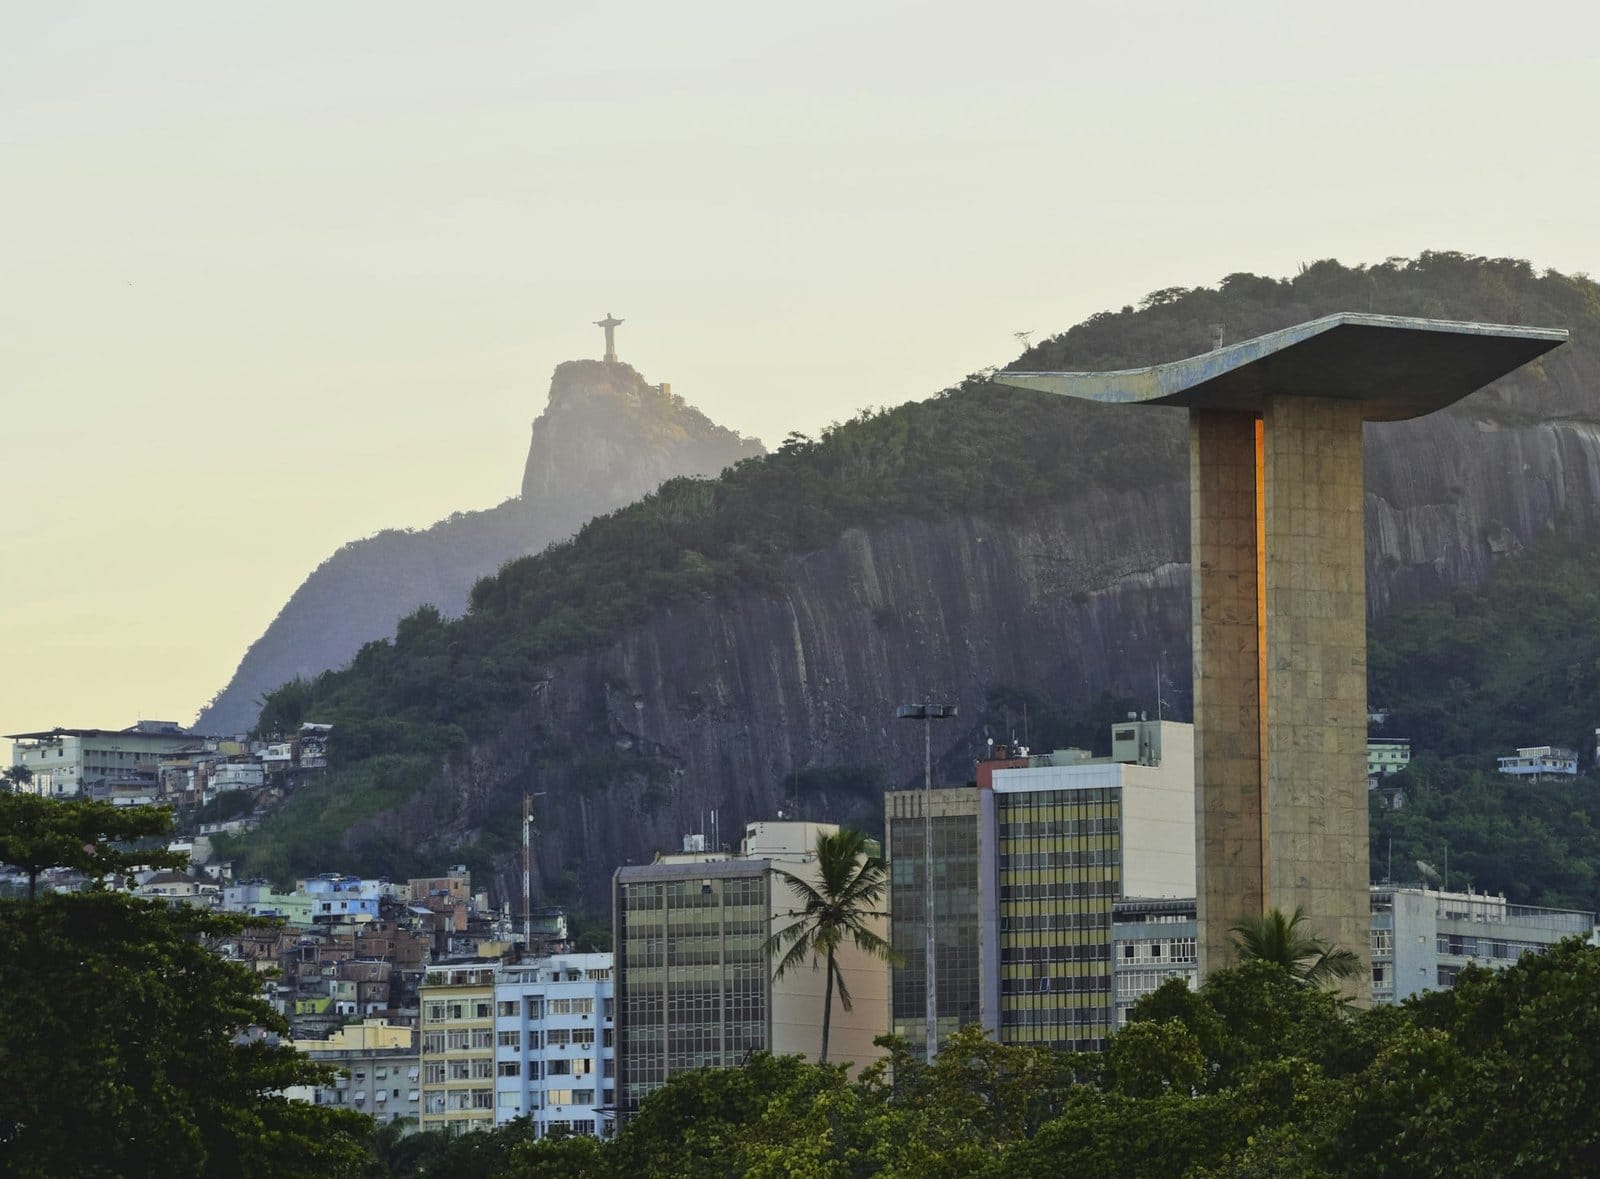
[(1064, 891), (157, 762)]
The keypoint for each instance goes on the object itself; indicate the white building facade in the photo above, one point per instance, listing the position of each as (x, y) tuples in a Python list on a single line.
[(64, 762), (1422, 938), (555, 1044), (1540, 761)]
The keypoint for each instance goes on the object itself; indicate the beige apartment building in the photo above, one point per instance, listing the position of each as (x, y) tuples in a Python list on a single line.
[(457, 1009)]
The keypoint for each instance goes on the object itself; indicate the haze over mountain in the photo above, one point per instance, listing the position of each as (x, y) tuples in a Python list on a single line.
[(605, 438), (740, 644)]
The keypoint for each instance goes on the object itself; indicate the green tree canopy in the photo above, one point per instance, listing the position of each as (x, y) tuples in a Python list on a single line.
[(132, 1050), (94, 838)]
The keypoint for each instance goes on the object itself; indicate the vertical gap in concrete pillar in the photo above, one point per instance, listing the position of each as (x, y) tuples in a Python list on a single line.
[(1261, 658)]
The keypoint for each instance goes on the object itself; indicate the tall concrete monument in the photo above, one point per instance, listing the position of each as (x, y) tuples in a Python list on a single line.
[(610, 326), (1279, 592)]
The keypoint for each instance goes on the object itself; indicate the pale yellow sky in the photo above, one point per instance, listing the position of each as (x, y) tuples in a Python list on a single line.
[(277, 275)]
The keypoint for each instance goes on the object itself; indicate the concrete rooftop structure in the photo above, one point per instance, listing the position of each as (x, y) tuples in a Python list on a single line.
[(1394, 366), (1279, 592)]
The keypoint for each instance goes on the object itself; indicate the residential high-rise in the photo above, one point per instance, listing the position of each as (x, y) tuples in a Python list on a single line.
[(458, 1046), (555, 1044), (694, 986)]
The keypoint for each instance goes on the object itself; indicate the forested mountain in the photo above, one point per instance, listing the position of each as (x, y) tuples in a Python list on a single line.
[(605, 438), (1473, 675), (740, 643)]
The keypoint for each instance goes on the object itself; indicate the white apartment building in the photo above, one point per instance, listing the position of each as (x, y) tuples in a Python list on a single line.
[(1539, 761), (64, 762), (1421, 938), (555, 1044)]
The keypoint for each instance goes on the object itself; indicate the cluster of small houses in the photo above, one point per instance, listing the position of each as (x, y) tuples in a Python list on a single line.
[(155, 763)]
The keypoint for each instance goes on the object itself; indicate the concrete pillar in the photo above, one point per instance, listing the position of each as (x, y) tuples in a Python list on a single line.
[(1280, 671), (1316, 761), (1223, 521)]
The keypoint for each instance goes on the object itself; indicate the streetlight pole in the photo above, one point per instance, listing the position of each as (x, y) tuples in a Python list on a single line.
[(927, 714)]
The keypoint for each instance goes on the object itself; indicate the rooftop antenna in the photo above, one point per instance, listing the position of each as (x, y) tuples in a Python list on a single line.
[(1025, 338)]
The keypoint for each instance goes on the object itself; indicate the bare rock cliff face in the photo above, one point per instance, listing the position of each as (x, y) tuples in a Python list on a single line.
[(605, 439), (739, 704)]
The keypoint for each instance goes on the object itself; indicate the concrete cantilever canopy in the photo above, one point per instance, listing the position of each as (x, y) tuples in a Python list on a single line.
[(1396, 367)]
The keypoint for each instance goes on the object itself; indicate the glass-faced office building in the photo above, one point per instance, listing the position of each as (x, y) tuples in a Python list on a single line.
[(955, 890), (692, 987)]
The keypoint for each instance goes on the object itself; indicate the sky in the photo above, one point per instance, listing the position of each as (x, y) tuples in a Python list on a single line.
[(274, 276)]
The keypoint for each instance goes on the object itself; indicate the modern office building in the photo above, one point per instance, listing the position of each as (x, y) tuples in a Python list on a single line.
[(555, 1044), (694, 986), (1069, 837), (956, 898), (458, 1046), (1422, 937), (1033, 860)]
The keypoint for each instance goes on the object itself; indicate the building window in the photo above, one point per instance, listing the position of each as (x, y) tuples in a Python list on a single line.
[(510, 1007), (510, 1039), (509, 1068)]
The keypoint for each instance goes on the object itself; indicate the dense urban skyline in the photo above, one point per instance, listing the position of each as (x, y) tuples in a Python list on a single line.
[(280, 279)]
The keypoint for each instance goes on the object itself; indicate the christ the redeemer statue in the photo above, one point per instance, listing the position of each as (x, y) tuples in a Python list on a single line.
[(610, 325)]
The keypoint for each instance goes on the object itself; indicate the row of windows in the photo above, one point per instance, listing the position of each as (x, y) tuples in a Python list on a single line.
[(1076, 952), (1048, 828), (1054, 1015), (1058, 985), (441, 1011), (555, 1038), (1060, 890), (458, 1070), (1025, 922), (1178, 949), (1078, 858), (1058, 804), (1134, 984), (1460, 946), (458, 1041)]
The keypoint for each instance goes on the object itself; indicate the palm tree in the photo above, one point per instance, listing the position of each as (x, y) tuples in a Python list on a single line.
[(1284, 942), (835, 905)]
